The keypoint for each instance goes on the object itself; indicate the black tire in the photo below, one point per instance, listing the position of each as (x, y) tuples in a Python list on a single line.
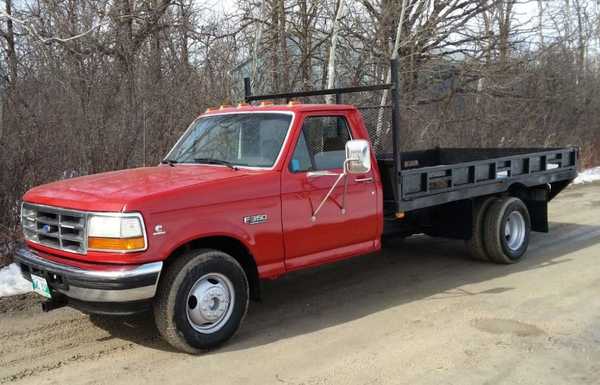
[(476, 244), (496, 243), (173, 298)]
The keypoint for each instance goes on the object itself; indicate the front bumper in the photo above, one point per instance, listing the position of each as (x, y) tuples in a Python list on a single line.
[(112, 285)]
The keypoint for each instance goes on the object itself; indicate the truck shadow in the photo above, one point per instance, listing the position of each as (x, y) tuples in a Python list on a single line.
[(404, 271)]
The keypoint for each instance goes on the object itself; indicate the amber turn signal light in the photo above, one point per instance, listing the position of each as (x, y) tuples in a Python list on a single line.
[(116, 244)]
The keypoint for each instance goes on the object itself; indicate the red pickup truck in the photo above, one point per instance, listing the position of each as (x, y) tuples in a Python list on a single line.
[(254, 192)]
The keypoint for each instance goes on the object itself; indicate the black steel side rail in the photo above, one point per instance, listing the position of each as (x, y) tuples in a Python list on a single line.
[(418, 192)]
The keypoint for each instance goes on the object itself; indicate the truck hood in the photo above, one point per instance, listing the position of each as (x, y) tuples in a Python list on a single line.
[(114, 191)]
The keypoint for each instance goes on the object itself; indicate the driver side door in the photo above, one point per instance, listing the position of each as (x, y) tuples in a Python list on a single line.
[(340, 229)]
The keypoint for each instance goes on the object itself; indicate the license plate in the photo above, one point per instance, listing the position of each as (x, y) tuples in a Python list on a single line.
[(40, 286)]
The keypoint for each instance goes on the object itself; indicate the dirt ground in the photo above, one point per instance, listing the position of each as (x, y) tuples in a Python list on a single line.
[(420, 312)]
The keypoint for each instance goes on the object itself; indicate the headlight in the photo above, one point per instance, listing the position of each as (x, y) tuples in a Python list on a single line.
[(116, 232)]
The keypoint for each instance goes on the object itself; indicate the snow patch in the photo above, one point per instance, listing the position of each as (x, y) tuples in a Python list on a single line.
[(588, 176), (12, 282)]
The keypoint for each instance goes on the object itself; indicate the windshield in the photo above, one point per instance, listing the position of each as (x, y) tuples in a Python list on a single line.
[(252, 140)]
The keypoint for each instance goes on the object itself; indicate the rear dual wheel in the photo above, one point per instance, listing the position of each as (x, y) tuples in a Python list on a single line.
[(501, 229), (506, 230), (476, 244)]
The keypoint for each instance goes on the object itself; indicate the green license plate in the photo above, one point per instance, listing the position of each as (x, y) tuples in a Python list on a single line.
[(40, 286)]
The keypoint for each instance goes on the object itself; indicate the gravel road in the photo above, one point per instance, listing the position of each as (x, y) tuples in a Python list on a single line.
[(419, 312)]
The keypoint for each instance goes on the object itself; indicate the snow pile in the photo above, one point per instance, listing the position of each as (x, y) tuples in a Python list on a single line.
[(588, 176), (11, 281)]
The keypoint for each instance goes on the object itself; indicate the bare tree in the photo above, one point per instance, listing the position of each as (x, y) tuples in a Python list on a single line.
[(10, 42), (332, 48)]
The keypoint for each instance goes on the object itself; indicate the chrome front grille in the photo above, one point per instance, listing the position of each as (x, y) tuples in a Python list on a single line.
[(55, 227)]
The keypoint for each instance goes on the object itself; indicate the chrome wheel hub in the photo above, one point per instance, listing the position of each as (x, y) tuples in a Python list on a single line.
[(514, 231), (210, 303)]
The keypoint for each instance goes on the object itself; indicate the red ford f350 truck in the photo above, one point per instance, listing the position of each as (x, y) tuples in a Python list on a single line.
[(255, 191)]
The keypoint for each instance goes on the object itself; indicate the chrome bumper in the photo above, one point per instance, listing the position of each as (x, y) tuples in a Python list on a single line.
[(127, 284)]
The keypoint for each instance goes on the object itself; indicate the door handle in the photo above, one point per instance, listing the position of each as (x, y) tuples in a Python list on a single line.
[(364, 180)]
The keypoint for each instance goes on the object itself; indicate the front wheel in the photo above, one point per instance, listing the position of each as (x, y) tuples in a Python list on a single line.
[(506, 230), (201, 300)]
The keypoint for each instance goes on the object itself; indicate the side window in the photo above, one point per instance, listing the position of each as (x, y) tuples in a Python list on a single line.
[(301, 160), (321, 145)]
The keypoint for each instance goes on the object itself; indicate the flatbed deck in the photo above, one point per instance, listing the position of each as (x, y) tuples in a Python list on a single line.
[(442, 175)]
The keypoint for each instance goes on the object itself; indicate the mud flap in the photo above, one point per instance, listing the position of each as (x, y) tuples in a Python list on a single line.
[(537, 205)]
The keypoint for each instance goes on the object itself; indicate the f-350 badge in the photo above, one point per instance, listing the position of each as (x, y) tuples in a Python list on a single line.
[(256, 219)]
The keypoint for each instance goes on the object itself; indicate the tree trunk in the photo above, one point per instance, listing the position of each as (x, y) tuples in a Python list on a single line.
[(331, 63), (256, 46), (11, 51), (285, 69), (394, 56), (155, 51), (12, 69), (581, 43), (127, 68), (275, 50), (541, 22), (185, 55), (305, 46), (504, 27)]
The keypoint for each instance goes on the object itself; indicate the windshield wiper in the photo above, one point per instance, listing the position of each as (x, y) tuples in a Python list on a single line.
[(215, 161), (170, 162)]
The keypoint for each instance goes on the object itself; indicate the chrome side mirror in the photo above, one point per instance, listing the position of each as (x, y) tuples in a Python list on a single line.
[(358, 156), (358, 161)]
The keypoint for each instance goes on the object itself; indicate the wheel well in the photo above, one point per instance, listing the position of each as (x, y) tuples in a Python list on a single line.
[(231, 246), (519, 190)]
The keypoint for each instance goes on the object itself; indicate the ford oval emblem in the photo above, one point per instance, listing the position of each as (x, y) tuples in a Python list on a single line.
[(46, 228)]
